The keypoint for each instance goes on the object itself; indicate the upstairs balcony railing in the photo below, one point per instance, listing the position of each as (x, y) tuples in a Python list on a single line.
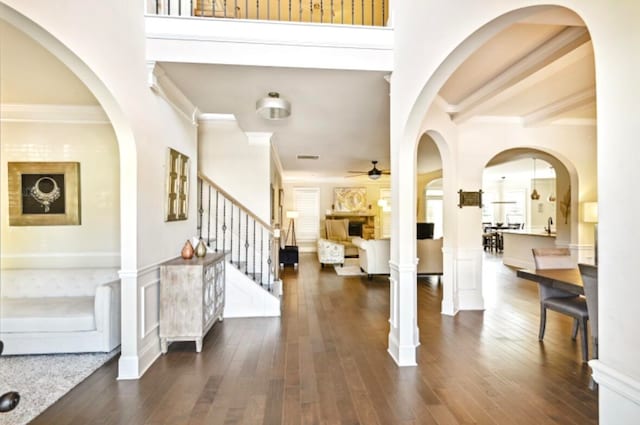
[(346, 12)]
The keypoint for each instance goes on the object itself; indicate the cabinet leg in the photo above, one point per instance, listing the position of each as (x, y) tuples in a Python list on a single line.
[(198, 345), (164, 345)]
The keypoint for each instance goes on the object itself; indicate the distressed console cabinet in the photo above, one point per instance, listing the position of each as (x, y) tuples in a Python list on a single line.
[(191, 298)]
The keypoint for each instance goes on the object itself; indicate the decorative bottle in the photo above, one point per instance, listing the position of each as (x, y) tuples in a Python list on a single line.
[(201, 249), (187, 250)]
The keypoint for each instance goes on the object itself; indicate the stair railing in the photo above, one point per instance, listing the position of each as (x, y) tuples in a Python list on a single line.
[(226, 225), (343, 12)]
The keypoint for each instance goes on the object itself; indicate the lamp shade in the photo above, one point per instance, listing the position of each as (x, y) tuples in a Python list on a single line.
[(382, 203), (590, 212), (273, 107), (292, 214)]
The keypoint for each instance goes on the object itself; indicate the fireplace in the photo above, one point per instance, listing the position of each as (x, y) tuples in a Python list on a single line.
[(355, 228)]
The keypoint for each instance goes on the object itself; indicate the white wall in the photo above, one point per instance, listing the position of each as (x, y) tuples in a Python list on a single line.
[(103, 43), (422, 67), (240, 165), (96, 241)]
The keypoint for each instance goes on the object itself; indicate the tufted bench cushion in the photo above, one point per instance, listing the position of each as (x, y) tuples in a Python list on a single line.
[(49, 314)]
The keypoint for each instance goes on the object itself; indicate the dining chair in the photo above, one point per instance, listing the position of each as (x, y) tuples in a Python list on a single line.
[(558, 300), (589, 275)]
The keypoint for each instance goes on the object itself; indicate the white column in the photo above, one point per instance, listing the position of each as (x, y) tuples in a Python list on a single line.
[(404, 335)]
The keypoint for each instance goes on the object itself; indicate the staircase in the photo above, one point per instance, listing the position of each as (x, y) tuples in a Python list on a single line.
[(252, 246)]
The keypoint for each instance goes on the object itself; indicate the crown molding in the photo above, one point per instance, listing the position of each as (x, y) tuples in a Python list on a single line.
[(537, 60), (160, 83), (553, 110), (60, 114)]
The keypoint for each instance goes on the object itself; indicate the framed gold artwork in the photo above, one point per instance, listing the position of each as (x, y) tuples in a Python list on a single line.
[(177, 186), (470, 199), (350, 199), (44, 193)]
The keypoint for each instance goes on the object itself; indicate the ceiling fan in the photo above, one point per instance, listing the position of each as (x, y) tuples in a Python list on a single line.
[(374, 173)]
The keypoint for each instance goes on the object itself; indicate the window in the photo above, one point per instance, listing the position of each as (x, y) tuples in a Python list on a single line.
[(306, 201), (385, 214), (434, 211)]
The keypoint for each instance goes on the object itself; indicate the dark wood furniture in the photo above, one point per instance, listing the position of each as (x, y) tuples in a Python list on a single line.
[(568, 280), (289, 256)]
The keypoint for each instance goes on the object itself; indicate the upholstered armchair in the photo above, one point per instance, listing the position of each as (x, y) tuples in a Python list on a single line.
[(338, 231), (330, 252), (373, 255)]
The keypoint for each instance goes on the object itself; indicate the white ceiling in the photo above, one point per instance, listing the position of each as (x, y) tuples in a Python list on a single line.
[(540, 71)]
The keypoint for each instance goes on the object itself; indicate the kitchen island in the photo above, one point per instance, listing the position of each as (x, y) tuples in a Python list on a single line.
[(518, 245)]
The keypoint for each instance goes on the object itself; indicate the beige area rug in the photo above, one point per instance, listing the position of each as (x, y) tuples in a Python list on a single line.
[(43, 379), (351, 267)]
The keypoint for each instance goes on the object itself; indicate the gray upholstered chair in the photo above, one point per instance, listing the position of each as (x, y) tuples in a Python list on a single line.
[(559, 300), (590, 281)]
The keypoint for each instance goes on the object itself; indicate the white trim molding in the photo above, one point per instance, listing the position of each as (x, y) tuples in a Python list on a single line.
[(160, 83), (614, 380), (59, 114)]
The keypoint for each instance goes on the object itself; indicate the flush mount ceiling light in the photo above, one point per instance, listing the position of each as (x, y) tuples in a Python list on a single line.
[(273, 107)]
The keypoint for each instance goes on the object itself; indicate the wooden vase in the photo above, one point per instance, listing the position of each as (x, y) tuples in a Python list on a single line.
[(187, 250)]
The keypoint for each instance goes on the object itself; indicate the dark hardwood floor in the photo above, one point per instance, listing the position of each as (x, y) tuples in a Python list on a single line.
[(325, 362)]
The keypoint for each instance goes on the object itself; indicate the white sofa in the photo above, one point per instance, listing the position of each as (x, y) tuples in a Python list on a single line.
[(59, 310), (374, 255)]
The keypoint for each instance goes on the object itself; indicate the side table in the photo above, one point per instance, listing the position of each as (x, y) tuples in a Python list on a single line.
[(289, 255)]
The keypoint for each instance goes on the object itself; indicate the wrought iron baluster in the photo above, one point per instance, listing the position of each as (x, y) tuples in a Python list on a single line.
[(246, 9), (246, 243), (268, 10), (353, 12), (157, 6), (209, 219), (362, 12), (231, 233), (321, 10), (200, 209), (239, 235), (168, 7), (254, 250), (224, 5), (261, 254), (224, 223), (310, 10), (331, 11), (179, 7), (235, 9), (299, 10), (216, 230), (269, 262), (373, 2), (257, 9), (384, 22)]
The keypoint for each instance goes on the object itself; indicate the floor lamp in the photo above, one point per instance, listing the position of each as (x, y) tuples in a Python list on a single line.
[(291, 230), (8, 401), (590, 215)]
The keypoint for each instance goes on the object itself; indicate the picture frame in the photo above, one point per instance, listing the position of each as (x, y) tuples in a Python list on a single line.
[(44, 193), (470, 199), (177, 196), (350, 199)]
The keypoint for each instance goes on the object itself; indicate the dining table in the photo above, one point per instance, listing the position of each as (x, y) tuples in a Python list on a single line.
[(568, 280)]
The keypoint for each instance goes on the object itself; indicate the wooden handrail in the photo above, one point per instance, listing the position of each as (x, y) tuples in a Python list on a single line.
[(235, 201)]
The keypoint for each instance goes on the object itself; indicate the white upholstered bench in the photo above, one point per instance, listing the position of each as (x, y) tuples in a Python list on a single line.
[(59, 310)]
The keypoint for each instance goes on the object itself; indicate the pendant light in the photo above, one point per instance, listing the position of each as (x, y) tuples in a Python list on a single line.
[(534, 195)]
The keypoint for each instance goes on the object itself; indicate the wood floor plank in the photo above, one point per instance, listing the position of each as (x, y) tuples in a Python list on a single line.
[(325, 362)]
